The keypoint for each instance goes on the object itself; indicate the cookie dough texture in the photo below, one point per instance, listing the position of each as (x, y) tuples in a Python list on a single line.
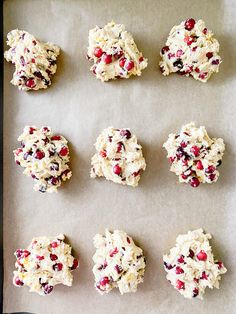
[(114, 53), (191, 266), (119, 157), (46, 263), (35, 61), (191, 49), (194, 156), (118, 263), (45, 158)]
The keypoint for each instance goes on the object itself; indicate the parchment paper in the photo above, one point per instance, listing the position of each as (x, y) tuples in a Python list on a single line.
[(80, 107)]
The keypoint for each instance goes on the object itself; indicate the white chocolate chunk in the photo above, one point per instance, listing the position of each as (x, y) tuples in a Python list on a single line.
[(191, 266), (118, 263), (119, 157), (194, 156), (35, 61), (45, 158), (114, 53), (191, 49), (46, 263)]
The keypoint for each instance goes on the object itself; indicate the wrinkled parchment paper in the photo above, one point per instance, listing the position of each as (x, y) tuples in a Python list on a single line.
[(79, 107)]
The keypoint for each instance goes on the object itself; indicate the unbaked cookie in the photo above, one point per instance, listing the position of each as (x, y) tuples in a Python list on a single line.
[(119, 157), (191, 266), (35, 61), (194, 156), (119, 263), (45, 263), (114, 53), (45, 158), (191, 49)]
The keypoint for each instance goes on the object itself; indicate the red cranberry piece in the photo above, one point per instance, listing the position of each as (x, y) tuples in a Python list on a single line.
[(168, 266), (183, 144), (209, 55), (202, 76), (140, 59), (118, 269), (104, 281), (204, 276), (119, 147), (53, 181), (18, 282), (220, 265), (197, 70), (128, 240), (18, 253), (117, 169), (53, 257), (189, 24), (202, 256), (178, 270), (118, 54), (129, 66), (184, 176), (196, 280), (195, 150), (212, 176), (33, 60), (210, 169), (199, 165), (179, 284), (64, 151), (165, 49), (31, 130), (57, 267), (195, 292), (39, 257), (125, 133), (112, 253), (172, 159), (179, 53), (56, 138), (30, 83), (194, 182), (75, 264), (107, 58), (39, 155), (18, 151), (54, 244), (47, 289), (204, 31), (122, 62), (98, 52), (135, 174), (191, 254), (103, 153), (25, 253), (189, 40), (215, 62), (180, 259)]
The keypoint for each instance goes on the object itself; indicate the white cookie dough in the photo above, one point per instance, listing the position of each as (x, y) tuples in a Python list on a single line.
[(45, 263), (45, 158), (119, 158), (119, 263), (191, 266), (194, 156), (114, 53), (35, 61), (191, 49)]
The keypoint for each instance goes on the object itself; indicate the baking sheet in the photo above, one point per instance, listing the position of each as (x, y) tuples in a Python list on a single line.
[(79, 107)]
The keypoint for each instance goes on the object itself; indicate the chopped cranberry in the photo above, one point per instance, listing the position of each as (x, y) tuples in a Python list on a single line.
[(31, 130), (194, 48), (34, 42), (183, 144), (98, 52), (199, 165), (194, 182), (104, 281), (18, 253), (118, 269), (215, 62), (39, 257), (171, 55), (22, 61), (30, 83), (53, 257), (18, 282), (212, 176), (47, 289), (165, 49), (107, 58), (122, 62), (180, 259), (204, 31), (125, 133), (189, 40), (140, 59), (54, 244), (136, 173), (202, 256), (202, 76), (184, 176), (17, 162), (196, 280), (191, 254), (56, 138), (18, 151), (179, 53), (197, 70), (210, 169), (113, 252), (220, 265), (33, 60), (168, 266), (130, 65), (209, 55), (195, 292), (179, 284), (103, 153), (39, 155), (75, 264), (117, 169), (128, 240), (26, 253), (53, 181), (189, 24), (195, 150), (64, 151), (172, 159), (204, 276), (57, 267), (119, 147), (118, 54), (178, 270)]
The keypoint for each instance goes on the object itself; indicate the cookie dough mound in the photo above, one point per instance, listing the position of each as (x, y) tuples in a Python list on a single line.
[(194, 156), (119, 158), (45, 158), (119, 263), (35, 61), (191, 49), (46, 263), (114, 53), (191, 266)]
